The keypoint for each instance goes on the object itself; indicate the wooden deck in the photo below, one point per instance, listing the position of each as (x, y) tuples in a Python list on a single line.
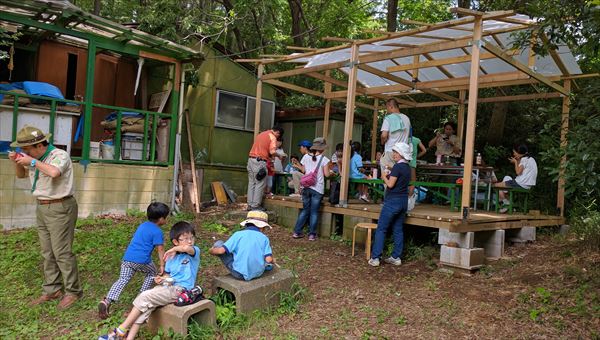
[(434, 216)]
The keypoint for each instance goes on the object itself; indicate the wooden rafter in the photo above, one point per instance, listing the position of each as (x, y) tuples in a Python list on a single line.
[(445, 61)]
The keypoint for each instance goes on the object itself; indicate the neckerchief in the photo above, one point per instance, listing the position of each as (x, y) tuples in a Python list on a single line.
[(37, 172)]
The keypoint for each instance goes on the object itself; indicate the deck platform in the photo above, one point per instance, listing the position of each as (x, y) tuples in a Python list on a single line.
[(432, 216)]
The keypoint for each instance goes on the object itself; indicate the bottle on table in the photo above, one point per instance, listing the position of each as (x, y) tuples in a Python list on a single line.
[(478, 159)]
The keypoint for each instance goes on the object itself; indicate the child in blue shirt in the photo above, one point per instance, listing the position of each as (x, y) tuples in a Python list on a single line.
[(138, 256), (247, 253), (355, 166), (181, 269)]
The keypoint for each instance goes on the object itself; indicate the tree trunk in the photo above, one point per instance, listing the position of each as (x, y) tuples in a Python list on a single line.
[(464, 4), (496, 129), (258, 30), (236, 32), (295, 8), (392, 15), (97, 5)]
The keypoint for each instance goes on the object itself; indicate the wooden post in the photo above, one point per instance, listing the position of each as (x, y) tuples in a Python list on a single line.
[(327, 107), (192, 162), (261, 68), (348, 124), (564, 129), (374, 129), (460, 124), (471, 116)]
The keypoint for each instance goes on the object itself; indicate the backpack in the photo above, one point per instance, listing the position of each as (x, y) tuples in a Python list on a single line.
[(310, 178)]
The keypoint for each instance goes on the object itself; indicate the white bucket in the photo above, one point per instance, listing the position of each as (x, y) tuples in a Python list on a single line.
[(94, 150), (108, 149)]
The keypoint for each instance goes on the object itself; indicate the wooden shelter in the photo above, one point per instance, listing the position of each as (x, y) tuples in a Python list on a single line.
[(448, 60)]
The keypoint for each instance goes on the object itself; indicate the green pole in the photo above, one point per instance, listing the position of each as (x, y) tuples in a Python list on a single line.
[(89, 98)]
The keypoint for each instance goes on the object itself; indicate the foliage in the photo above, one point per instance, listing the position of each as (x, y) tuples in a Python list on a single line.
[(7, 39), (587, 226)]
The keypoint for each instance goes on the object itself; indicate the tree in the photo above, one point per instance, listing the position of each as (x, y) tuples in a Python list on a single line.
[(392, 15)]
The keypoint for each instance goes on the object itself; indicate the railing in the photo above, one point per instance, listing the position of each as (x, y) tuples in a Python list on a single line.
[(146, 159)]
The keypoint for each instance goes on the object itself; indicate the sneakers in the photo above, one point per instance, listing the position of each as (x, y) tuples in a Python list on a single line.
[(295, 195), (364, 198), (113, 335), (312, 237), (374, 262), (503, 210), (296, 235), (393, 260), (46, 297), (104, 309)]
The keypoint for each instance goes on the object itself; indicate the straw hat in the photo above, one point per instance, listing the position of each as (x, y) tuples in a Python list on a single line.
[(29, 135), (257, 218)]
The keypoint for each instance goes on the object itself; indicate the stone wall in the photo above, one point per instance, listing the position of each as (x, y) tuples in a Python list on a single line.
[(102, 188)]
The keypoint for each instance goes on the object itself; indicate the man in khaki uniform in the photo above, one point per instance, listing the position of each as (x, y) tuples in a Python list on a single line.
[(51, 173)]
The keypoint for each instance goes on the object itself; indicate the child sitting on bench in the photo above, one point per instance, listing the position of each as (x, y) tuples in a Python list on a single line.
[(181, 268), (247, 253)]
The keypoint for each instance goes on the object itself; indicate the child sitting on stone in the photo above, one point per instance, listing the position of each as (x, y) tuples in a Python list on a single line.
[(181, 268), (247, 253)]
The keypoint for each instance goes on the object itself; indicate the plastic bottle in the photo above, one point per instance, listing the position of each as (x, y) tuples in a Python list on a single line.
[(478, 160)]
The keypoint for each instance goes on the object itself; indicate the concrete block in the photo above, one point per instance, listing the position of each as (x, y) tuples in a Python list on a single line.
[(89, 183), (463, 240), (564, 229), (92, 171), (462, 258), (325, 226), (258, 294), (22, 184), (118, 171), (164, 173), (7, 167), (25, 222), (348, 227), (115, 184), (137, 198), (7, 181), (114, 197), (521, 235), (25, 211), (177, 318), (492, 241), (140, 185), (164, 197), (84, 197), (142, 172), (6, 195), (23, 197), (115, 208), (89, 209), (160, 185), (5, 210)]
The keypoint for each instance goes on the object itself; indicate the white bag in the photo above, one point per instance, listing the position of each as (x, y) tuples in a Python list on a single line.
[(412, 200)]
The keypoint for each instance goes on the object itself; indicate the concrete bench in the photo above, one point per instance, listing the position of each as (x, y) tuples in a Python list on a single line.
[(171, 316), (258, 294)]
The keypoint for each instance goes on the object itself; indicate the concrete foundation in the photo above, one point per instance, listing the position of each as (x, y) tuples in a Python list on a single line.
[(462, 240), (258, 294), (462, 258), (491, 241), (177, 318), (349, 223), (521, 235)]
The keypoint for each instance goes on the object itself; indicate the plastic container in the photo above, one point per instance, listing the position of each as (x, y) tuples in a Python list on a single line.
[(132, 146), (94, 150), (107, 149)]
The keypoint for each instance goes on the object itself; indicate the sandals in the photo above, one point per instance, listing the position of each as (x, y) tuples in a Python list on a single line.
[(113, 335), (103, 309)]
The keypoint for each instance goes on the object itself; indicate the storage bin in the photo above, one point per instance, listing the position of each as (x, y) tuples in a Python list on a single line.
[(132, 146)]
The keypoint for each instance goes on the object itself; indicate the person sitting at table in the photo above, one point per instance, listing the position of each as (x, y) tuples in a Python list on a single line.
[(447, 144), (336, 158), (418, 150), (296, 175), (394, 207), (526, 170), (290, 169), (356, 166)]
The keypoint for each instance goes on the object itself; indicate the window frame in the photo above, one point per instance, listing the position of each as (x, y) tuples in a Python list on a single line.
[(247, 98)]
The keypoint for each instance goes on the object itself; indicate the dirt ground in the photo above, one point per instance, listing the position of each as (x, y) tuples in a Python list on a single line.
[(544, 290)]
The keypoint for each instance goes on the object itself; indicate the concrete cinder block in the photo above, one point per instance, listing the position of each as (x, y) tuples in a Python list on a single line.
[(21, 197), (462, 258), (22, 184), (7, 167), (114, 197), (142, 172), (118, 171), (258, 294), (160, 185), (348, 228), (492, 241), (115, 184), (6, 195), (137, 198), (325, 227), (7, 182), (84, 197), (177, 318), (463, 240), (5, 210), (89, 183), (140, 185), (521, 235), (89, 209), (564, 229)]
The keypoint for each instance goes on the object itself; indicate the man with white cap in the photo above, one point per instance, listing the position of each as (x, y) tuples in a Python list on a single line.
[(50, 171), (395, 128), (247, 253), (394, 207)]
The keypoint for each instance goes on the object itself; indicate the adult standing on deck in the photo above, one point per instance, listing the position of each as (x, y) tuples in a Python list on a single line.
[(50, 171), (394, 129), (264, 147)]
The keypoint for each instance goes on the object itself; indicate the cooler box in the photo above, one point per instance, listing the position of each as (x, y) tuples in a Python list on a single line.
[(132, 146)]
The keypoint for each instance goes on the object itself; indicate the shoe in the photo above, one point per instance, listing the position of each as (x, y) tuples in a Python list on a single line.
[(46, 297), (503, 210), (374, 262), (312, 237), (393, 260), (113, 335), (295, 195), (104, 309), (67, 301), (296, 235), (364, 199)]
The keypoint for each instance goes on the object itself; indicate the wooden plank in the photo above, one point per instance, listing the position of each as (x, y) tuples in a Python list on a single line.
[(258, 103), (327, 106), (300, 48), (445, 61), (295, 87), (374, 131), (471, 119), (192, 162), (304, 70), (219, 193), (466, 11), (564, 130), (460, 133), (522, 67), (349, 124), (520, 97)]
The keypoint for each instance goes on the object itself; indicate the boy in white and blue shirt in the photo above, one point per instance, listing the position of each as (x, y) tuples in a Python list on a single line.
[(247, 253)]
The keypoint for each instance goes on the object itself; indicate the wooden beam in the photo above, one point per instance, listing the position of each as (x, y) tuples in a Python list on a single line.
[(564, 130), (521, 97), (561, 66), (150, 55), (460, 133), (258, 103), (241, 60), (358, 104), (466, 11), (294, 87), (445, 61), (425, 48), (374, 130), (471, 119), (327, 106), (305, 70), (338, 39), (348, 125), (300, 48), (522, 67)]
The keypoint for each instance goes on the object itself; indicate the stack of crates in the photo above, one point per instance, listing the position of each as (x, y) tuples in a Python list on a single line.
[(132, 145)]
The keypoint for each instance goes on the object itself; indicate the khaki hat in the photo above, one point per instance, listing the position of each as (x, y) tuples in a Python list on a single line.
[(319, 144), (29, 135), (257, 218)]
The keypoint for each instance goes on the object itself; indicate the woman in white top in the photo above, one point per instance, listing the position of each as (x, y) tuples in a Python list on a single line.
[(526, 169), (311, 196)]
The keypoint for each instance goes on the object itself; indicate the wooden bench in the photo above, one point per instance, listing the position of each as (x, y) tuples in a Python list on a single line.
[(512, 193), (177, 318), (257, 294)]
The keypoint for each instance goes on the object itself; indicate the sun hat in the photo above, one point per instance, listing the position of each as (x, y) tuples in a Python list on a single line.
[(404, 150), (319, 144), (305, 143), (258, 218), (29, 135)]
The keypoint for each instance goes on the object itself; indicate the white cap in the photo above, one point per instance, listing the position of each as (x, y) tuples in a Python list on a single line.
[(404, 150)]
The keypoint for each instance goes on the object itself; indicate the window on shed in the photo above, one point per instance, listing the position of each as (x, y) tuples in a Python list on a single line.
[(236, 111)]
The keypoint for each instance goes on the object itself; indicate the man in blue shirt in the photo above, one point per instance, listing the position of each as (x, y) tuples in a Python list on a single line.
[(247, 253)]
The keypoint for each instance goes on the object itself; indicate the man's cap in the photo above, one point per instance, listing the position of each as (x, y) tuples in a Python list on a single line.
[(29, 135), (306, 143), (258, 218)]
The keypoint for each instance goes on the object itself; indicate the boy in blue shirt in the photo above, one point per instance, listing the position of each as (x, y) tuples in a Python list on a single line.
[(356, 165), (181, 269), (138, 256), (247, 253)]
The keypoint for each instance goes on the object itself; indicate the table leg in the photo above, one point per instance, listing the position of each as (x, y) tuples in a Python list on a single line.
[(368, 245), (353, 239), (476, 189)]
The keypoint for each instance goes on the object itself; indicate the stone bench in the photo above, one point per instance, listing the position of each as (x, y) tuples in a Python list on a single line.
[(171, 316), (258, 294)]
